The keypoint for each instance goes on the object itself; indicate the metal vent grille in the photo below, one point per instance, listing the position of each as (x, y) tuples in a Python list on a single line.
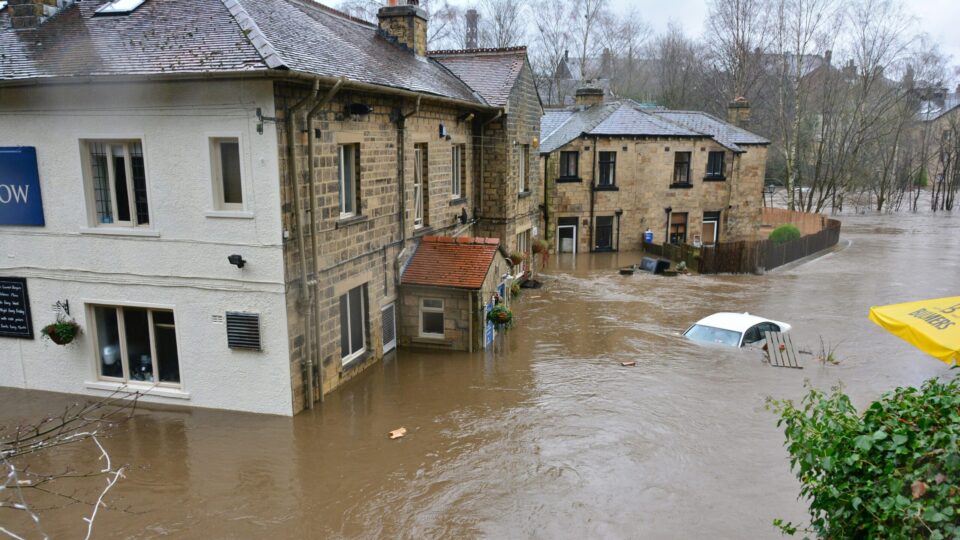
[(389, 318), (243, 330)]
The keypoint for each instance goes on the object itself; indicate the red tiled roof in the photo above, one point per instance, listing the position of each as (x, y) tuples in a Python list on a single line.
[(443, 261)]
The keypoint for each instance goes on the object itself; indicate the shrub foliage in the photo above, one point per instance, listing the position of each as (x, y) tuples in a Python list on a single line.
[(784, 233), (893, 472)]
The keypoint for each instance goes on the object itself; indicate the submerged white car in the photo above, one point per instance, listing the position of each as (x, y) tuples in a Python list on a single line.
[(734, 329)]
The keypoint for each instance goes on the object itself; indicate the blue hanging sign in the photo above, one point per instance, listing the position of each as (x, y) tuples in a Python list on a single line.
[(20, 202)]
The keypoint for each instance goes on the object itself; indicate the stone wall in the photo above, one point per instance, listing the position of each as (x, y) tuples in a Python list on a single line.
[(505, 211), (644, 174), (365, 249)]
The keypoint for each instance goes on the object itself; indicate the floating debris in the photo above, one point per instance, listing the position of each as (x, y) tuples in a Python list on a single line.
[(397, 433)]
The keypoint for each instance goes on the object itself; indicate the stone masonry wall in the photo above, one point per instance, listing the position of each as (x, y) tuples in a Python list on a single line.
[(644, 174), (361, 250), (505, 210)]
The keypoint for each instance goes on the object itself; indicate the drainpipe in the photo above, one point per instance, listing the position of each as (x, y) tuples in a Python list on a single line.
[(470, 322), (313, 366), (546, 199), (593, 191), (305, 295), (483, 144)]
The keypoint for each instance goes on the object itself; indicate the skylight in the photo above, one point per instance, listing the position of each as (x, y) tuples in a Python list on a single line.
[(119, 7)]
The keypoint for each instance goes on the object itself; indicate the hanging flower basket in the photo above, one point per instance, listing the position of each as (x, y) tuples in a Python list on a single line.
[(540, 246), (62, 332), (501, 317), (517, 257)]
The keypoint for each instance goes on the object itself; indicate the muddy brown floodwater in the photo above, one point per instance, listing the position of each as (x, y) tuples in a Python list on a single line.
[(548, 437)]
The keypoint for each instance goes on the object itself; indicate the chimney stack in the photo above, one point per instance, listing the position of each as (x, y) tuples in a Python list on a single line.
[(738, 112), (407, 24), (473, 23), (589, 96), (26, 14)]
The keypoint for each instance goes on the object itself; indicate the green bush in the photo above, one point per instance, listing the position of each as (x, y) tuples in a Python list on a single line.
[(784, 233), (893, 472)]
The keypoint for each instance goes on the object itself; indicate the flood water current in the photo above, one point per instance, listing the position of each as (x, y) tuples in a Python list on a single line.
[(547, 436)]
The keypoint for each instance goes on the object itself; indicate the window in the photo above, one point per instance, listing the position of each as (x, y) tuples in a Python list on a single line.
[(522, 172), (608, 169), (421, 197), (715, 166), (678, 228), (136, 344), (353, 324), (569, 164), (227, 182), (711, 228), (523, 246), (456, 171), (431, 317), (681, 168), (118, 183), (348, 160), (604, 233), (118, 7)]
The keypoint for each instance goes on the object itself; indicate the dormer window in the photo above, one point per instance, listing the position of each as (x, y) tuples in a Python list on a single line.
[(118, 7)]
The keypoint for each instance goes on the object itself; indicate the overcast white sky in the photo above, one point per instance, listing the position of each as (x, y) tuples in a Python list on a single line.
[(938, 18)]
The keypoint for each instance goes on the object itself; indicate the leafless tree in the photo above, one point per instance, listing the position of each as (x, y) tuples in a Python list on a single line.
[(585, 24), (677, 65), (738, 38), (20, 445), (502, 22)]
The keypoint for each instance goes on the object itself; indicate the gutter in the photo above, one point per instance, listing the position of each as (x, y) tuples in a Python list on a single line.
[(305, 291)]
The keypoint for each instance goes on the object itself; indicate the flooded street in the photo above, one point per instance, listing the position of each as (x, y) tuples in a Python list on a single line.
[(547, 437)]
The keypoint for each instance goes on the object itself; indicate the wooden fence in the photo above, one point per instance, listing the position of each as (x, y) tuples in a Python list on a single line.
[(748, 256)]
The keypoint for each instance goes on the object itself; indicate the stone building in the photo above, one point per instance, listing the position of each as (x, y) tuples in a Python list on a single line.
[(233, 188), (615, 170)]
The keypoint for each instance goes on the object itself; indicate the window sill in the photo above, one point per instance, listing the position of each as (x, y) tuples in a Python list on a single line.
[(714, 178), (229, 214), (132, 388), (120, 231), (423, 340), (352, 220), (569, 179), (606, 188), (458, 201), (686, 185), (524, 194), (354, 363)]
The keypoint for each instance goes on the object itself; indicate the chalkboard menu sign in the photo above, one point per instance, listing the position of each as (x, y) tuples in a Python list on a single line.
[(15, 308)]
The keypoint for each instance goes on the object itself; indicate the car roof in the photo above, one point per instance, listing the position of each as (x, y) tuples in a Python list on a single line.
[(739, 322)]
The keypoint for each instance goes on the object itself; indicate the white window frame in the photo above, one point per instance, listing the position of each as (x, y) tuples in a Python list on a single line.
[(344, 360), (122, 338), (418, 209), (456, 177), (523, 246), (216, 166), (86, 147), (428, 309), (522, 169), (355, 185)]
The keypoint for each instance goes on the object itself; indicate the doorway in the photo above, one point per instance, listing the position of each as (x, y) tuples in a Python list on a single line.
[(567, 235)]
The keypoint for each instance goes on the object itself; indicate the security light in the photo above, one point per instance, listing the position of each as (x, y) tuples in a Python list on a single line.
[(237, 260)]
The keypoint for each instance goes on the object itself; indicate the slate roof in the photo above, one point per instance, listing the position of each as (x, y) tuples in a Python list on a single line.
[(203, 36), (629, 118), (932, 110), (491, 72), (723, 132), (443, 261)]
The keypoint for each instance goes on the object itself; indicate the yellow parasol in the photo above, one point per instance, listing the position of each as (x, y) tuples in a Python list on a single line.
[(933, 326)]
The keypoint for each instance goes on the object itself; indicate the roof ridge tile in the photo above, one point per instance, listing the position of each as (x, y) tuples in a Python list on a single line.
[(254, 34)]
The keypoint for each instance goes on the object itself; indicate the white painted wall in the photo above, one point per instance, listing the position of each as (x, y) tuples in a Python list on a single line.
[(182, 264)]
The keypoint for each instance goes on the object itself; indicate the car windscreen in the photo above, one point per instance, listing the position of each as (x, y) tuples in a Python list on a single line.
[(709, 334)]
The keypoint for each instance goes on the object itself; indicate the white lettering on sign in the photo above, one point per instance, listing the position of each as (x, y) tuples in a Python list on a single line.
[(13, 192)]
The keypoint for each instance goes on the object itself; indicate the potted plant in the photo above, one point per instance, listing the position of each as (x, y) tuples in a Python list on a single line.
[(515, 289), (540, 246), (517, 258), (62, 332), (501, 317)]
